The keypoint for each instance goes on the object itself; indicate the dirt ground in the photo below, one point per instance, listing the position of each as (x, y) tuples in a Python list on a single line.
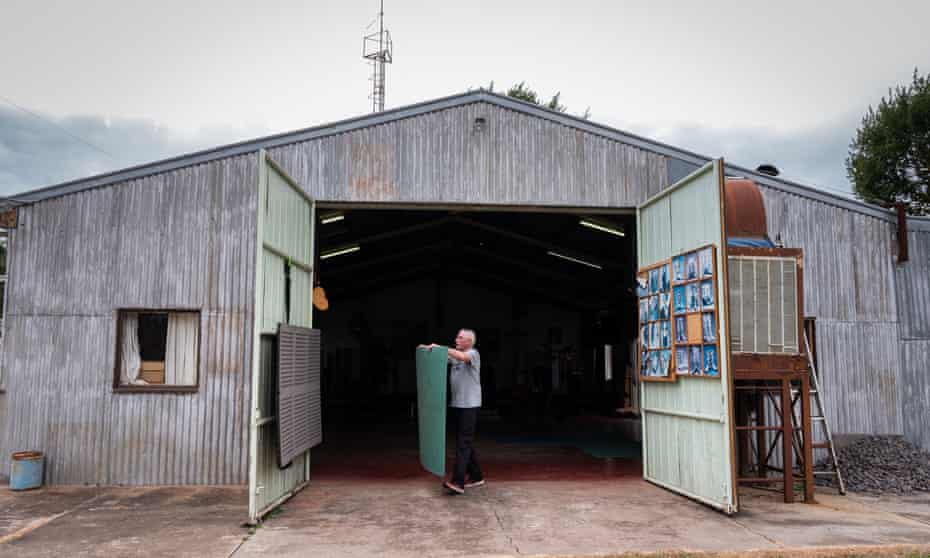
[(410, 517)]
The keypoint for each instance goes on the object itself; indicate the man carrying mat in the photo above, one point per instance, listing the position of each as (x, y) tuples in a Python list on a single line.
[(465, 383)]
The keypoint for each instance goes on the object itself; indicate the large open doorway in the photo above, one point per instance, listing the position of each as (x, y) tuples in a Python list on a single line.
[(551, 298)]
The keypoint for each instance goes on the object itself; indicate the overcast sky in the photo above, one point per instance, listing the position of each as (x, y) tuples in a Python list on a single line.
[(783, 82)]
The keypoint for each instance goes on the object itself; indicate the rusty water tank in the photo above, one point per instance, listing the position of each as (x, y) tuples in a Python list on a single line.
[(745, 209)]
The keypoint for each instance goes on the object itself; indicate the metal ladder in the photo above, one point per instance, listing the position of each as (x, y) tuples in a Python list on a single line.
[(821, 418)]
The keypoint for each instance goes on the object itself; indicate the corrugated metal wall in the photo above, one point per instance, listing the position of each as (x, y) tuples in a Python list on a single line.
[(913, 282), (183, 239), (440, 157), (849, 288)]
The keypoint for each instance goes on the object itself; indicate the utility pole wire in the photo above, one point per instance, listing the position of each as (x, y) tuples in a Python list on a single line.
[(60, 127)]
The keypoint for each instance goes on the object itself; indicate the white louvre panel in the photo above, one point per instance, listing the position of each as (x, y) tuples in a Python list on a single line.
[(763, 304)]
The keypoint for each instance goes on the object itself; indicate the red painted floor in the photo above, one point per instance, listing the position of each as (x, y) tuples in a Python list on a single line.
[(390, 452)]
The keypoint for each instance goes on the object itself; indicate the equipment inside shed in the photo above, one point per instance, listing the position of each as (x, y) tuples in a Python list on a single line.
[(550, 296)]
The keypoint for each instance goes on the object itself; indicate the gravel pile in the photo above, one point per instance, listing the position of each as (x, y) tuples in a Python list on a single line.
[(882, 464)]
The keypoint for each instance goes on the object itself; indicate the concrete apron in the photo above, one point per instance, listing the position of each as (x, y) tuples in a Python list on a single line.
[(413, 518)]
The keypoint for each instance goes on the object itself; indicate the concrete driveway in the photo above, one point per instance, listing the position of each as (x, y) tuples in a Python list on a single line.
[(400, 518)]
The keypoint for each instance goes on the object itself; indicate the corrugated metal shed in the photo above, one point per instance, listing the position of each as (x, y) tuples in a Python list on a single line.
[(183, 239), (181, 233)]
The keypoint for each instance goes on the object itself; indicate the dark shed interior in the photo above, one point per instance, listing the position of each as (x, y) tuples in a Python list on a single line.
[(545, 293)]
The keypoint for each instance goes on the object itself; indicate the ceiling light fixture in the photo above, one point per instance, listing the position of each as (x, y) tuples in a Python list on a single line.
[(339, 252), (576, 260), (332, 218), (600, 227)]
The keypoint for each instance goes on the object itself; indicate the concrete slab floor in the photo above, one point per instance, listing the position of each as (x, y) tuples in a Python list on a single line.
[(91, 522), (412, 518)]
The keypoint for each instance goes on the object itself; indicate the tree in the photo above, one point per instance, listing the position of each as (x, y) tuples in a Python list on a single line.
[(522, 92), (889, 159)]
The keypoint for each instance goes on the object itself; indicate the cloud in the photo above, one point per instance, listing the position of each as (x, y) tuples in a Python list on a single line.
[(814, 156), (37, 152)]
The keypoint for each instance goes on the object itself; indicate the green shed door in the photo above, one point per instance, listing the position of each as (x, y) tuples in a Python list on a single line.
[(687, 423), (283, 297), (431, 408)]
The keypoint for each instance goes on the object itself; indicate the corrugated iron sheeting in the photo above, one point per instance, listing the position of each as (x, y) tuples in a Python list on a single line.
[(860, 372), (183, 239), (913, 288), (915, 392), (847, 257), (440, 157)]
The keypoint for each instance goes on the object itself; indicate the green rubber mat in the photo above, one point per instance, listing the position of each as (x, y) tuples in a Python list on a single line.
[(431, 408), (600, 445)]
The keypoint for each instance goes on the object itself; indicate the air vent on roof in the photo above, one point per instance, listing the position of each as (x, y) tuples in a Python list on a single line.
[(768, 169)]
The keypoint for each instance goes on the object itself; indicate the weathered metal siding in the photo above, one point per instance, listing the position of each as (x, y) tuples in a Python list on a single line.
[(913, 282), (183, 239), (440, 157), (849, 288), (912, 279)]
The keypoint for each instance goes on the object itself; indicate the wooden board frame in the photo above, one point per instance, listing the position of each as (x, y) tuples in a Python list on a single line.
[(700, 279), (672, 376)]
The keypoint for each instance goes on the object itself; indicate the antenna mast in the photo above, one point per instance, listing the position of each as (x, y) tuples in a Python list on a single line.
[(378, 49)]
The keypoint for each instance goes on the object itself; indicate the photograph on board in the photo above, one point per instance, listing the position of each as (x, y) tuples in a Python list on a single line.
[(653, 281), (663, 278), (665, 361), (678, 268), (643, 310), (644, 336), (654, 363), (681, 360), (709, 328), (642, 284), (653, 308), (681, 330), (707, 295), (707, 263), (691, 266), (679, 296), (692, 294), (710, 360), (665, 304), (654, 339), (696, 360), (666, 339)]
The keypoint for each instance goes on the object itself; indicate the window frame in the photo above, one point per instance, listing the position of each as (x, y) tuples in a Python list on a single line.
[(120, 388)]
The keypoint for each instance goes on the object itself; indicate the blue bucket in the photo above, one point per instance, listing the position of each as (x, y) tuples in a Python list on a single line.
[(27, 471)]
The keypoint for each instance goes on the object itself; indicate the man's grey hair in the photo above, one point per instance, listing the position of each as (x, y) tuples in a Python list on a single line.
[(471, 334)]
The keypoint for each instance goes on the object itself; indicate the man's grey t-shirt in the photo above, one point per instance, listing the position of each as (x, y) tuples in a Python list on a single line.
[(465, 380)]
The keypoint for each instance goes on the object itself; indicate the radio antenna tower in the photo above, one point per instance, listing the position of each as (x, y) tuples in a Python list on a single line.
[(378, 49)]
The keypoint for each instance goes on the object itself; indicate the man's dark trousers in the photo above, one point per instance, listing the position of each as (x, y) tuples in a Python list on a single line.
[(466, 461)]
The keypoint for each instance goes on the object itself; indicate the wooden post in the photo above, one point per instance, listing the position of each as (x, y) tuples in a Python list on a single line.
[(808, 438), (760, 434), (903, 255), (787, 436)]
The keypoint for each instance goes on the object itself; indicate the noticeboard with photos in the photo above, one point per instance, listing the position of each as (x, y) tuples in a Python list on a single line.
[(678, 318), (655, 323)]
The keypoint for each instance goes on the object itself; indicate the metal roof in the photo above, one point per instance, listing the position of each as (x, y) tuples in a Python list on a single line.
[(442, 103)]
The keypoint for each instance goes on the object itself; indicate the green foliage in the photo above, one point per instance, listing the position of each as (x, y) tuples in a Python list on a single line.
[(889, 159), (523, 92)]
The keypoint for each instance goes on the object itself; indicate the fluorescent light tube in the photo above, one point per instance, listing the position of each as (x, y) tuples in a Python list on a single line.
[(327, 219), (576, 260), (602, 228), (339, 252)]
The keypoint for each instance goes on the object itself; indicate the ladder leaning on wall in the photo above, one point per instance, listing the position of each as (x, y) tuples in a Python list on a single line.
[(833, 467)]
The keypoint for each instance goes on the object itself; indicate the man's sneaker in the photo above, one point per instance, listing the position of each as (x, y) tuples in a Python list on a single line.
[(452, 489), (474, 484)]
